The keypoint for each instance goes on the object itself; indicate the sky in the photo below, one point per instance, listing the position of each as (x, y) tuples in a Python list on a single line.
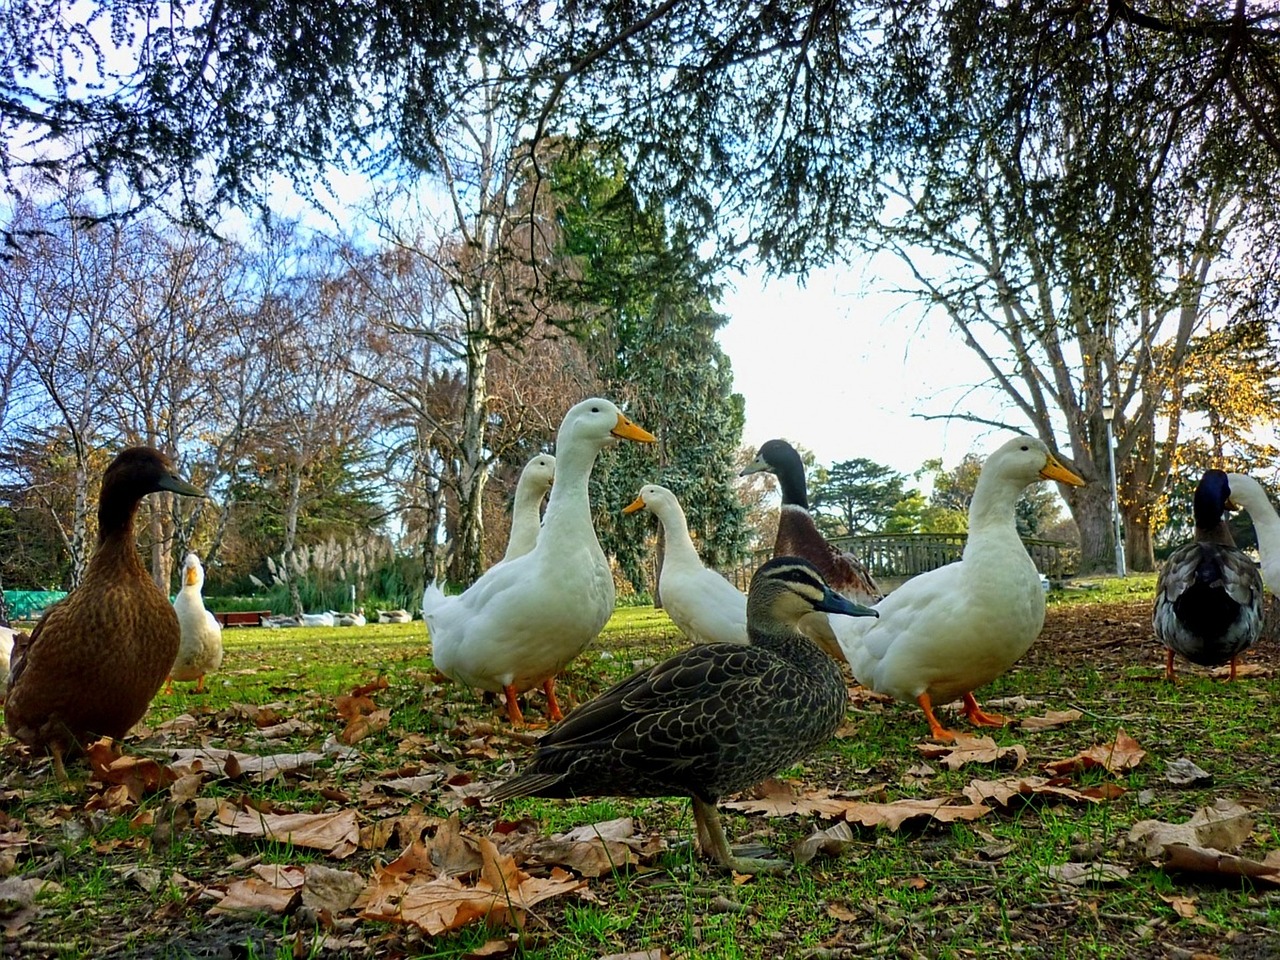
[(844, 367)]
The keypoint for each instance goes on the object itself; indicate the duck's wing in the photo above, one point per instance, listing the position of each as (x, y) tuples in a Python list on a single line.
[(707, 606), (663, 727), (799, 536)]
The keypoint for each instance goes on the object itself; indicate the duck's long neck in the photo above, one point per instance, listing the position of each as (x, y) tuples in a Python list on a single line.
[(525, 519), (991, 512), (791, 479), (1211, 525), (568, 516), (117, 549), (679, 549), (1266, 523)]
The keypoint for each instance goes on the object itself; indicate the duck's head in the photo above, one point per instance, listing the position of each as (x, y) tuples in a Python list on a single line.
[(774, 456), (192, 572), (1248, 493), (785, 589), (600, 422), (652, 496), (540, 472), (1212, 499), (144, 470), (1025, 460)]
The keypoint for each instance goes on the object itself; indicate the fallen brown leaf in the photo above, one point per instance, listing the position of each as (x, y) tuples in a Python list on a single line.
[(831, 842), (780, 798), (439, 904), (974, 750), (894, 815), (1224, 826), (1082, 874), (1122, 754), (1206, 860), (336, 833), (1001, 792), (1051, 720), (247, 764)]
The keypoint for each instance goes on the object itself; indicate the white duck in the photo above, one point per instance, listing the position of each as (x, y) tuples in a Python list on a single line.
[(6, 648), (356, 619), (703, 604), (526, 513), (325, 619), (519, 624), (946, 632), (1249, 494), (200, 650)]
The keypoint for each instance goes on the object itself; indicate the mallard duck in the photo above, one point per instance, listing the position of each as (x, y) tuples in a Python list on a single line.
[(1251, 496), (703, 604), (519, 624), (200, 651), (945, 633), (799, 536), (526, 513), (1208, 603), (710, 721), (97, 657)]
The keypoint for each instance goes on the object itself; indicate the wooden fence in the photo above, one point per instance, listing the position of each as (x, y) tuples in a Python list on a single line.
[(897, 557)]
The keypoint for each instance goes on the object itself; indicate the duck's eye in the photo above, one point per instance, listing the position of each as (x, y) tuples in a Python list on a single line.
[(1025, 447), (595, 409)]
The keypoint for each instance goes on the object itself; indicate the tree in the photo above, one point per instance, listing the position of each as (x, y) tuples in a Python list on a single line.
[(855, 496), (645, 297), (767, 120)]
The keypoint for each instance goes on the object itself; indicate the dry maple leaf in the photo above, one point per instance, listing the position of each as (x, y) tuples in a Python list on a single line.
[(1206, 860), (336, 833), (1001, 792), (139, 775), (439, 904), (894, 815), (1122, 754), (1224, 826), (272, 889), (973, 750), (1051, 720), (592, 850), (251, 765)]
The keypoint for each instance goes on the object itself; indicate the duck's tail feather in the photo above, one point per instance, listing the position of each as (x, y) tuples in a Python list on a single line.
[(433, 598)]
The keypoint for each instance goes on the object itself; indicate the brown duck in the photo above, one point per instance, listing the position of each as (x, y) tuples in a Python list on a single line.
[(95, 660)]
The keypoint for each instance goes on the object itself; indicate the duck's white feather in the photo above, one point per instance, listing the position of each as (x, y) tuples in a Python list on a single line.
[(1249, 494), (702, 603), (525, 619), (953, 629), (6, 648), (526, 513), (200, 650)]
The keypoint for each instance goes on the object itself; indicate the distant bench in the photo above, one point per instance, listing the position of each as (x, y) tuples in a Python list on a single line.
[(242, 618)]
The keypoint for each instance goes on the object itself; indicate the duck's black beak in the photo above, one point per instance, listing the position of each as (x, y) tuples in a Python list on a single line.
[(178, 485), (832, 602)]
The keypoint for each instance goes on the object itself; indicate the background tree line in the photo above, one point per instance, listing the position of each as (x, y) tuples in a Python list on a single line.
[(1088, 192)]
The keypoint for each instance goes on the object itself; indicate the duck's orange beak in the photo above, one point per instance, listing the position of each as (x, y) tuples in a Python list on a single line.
[(634, 505), (1054, 470), (191, 576), (626, 430)]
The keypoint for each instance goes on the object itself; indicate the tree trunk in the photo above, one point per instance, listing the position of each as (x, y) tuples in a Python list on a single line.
[(1091, 509), (468, 554), (1139, 544), (290, 569)]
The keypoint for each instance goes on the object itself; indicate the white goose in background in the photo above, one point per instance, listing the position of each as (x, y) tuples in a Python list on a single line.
[(703, 604), (200, 650), (518, 625), (526, 513), (1249, 494), (944, 633), (326, 619)]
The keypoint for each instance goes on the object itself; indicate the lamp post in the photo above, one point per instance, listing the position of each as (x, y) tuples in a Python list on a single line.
[(1108, 414)]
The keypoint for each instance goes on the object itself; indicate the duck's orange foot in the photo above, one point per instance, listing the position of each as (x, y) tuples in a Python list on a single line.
[(936, 730), (1168, 668), (980, 719), (553, 705), (513, 706)]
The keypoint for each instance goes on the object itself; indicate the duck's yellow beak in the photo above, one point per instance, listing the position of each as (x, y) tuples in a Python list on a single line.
[(626, 430), (191, 576), (1053, 470), (634, 505)]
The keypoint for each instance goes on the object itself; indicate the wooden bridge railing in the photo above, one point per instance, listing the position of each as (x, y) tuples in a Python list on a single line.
[(901, 556)]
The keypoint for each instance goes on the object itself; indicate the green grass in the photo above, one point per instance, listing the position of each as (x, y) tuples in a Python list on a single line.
[(975, 889)]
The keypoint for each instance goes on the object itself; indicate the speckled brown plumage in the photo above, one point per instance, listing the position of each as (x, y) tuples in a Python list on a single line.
[(712, 720), (95, 660), (799, 536)]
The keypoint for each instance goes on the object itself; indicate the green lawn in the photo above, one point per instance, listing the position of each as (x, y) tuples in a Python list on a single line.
[(140, 878)]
